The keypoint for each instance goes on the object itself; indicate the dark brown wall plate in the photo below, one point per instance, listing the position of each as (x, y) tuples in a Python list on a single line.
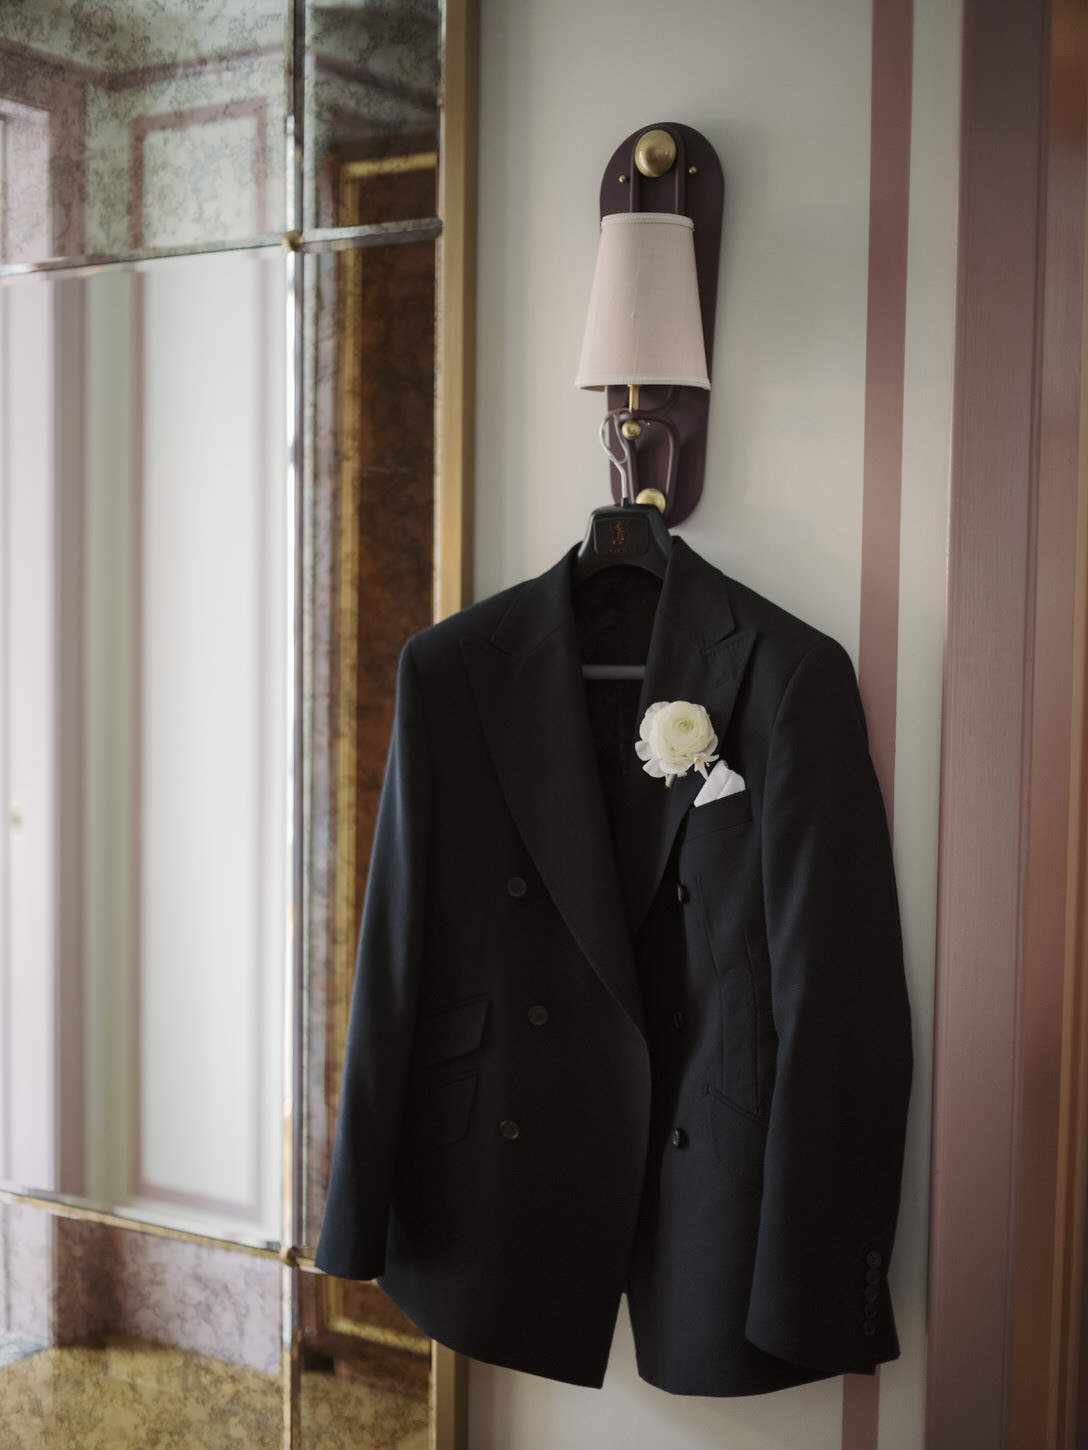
[(692, 185)]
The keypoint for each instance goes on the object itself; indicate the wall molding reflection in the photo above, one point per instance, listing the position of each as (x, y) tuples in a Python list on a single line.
[(141, 128)]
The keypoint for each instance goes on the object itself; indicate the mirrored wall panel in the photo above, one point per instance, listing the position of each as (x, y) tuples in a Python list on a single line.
[(373, 72), (114, 1340), (145, 752), (370, 424), (365, 1370), (126, 125), (218, 525)]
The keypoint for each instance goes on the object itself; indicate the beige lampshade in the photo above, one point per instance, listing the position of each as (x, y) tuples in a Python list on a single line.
[(644, 324)]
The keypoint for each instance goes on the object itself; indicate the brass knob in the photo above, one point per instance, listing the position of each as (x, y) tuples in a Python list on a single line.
[(631, 429), (292, 241), (655, 153), (651, 495)]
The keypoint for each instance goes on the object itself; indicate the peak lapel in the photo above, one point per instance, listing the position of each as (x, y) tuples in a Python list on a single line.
[(528, 689), (696, 655)]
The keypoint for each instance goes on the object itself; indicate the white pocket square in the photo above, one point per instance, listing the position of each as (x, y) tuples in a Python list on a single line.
[(720, 782)]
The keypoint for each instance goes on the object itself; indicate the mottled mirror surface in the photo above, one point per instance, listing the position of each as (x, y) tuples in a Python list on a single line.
[(117, 1340), (149, 913), (370, 406), (372, 82), (130, 125), (145, 902), (365, 1370)]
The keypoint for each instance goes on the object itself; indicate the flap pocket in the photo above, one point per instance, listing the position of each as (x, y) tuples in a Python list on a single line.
[(455, 1031), (740, 1138), (729, 810)]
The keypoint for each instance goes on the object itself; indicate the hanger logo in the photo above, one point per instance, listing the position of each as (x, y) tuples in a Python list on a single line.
[(621, 538)]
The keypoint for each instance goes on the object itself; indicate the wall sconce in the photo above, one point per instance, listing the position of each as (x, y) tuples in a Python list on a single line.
[(650, 330)]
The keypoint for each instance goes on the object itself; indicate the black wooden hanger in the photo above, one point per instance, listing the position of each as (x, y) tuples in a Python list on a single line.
[(629, 533)]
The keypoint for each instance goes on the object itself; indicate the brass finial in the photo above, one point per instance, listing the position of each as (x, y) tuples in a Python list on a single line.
[(655, 153), (651, 495)]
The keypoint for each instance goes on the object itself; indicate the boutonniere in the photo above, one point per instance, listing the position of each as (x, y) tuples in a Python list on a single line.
[(676, 735)]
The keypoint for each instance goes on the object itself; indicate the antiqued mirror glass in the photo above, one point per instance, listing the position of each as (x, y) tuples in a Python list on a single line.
[(224, 504), (373, 74), (146, 903), (120, 1340), (126, 125), (373, 471)]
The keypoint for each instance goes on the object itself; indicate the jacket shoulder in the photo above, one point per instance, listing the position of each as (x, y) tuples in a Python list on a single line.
[(780, 634), (438, 642)]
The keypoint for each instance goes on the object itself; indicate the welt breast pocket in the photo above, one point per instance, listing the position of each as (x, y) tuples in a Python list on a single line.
[(440, 1106), (719, 815)]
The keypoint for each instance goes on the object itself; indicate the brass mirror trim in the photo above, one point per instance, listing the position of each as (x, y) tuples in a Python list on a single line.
[(62, 1208), (455, 360)]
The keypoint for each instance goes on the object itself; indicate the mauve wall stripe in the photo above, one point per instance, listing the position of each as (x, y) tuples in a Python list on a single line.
[(889, 197), (986, 699), (878, 645)]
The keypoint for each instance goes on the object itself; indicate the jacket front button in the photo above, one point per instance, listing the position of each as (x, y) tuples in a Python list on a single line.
[(509, 1129), (679, 1138), (516, 886), (538, 1016)]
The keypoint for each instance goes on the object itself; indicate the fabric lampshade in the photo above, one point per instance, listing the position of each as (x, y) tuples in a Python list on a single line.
[(644, 326)]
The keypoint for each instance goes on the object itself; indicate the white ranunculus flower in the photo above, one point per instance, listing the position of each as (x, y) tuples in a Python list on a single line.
[(676, 735)]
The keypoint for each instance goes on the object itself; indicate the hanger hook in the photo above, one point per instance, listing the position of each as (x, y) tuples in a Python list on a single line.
[(622, 464)]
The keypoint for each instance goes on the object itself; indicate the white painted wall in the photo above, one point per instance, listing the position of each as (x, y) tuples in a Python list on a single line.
[(782, 90)]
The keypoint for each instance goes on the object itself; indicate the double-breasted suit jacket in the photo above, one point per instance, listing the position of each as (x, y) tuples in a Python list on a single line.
[(603, 1040)]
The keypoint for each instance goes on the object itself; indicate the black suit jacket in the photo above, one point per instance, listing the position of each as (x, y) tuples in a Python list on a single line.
[(604, 1041)]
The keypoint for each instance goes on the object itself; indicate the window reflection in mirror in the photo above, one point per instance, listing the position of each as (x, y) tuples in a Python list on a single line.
[(145, 904)]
